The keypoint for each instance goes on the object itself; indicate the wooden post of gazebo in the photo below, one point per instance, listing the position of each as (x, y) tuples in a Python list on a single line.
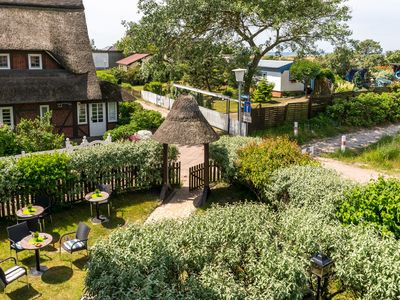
[(185, 125)]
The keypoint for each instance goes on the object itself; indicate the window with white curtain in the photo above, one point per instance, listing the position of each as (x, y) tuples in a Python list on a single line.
[(112, 112)]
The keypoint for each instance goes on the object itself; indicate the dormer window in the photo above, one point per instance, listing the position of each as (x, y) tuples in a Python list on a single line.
[(4, 61), (35, 61)]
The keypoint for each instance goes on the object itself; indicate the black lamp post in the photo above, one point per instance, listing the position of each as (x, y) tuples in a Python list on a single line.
[(321, 266)]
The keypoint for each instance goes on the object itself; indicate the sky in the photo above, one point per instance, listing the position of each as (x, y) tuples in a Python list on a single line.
[(372, 19)]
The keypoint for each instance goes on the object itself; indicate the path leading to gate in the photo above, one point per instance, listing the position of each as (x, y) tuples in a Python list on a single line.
[(182, 204)]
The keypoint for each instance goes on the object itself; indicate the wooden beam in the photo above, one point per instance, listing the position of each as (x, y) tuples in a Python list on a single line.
[(166, 188)]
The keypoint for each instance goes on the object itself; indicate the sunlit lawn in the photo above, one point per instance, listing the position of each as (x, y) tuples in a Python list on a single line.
[(60, 282)]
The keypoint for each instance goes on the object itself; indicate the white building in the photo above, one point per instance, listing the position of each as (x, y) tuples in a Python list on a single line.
[(278, 72)]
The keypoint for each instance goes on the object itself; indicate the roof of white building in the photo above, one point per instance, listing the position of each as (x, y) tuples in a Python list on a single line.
[(274, 64)]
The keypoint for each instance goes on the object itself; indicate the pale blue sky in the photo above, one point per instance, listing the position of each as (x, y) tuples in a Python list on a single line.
[(375, 19)]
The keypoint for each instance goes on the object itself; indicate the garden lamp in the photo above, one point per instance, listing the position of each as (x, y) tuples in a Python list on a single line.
[(321, 266), (239, 75)]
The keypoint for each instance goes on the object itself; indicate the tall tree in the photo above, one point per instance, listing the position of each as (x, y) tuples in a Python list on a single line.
[(305, 70), (168, 26)]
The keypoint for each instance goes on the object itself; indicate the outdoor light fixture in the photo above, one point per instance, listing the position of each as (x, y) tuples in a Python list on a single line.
[(321, 266), (239, 74)]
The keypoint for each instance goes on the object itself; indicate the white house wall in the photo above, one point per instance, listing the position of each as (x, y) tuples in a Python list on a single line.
[(275, 78), (290, 86), (101, 60)]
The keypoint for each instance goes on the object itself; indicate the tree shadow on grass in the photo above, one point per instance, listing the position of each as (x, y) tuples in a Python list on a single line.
[(24, 293), (57, 275), (81, 263), (114, 222)]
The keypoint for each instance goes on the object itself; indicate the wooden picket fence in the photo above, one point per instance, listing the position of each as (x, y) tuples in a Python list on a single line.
[(196, 175), (73, 191)]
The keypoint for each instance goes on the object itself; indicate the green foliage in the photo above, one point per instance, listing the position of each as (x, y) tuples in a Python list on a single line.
[(225, 153), (40, 173), (393, 56), (344, 86), (366, 109), (37, 135), (304, 70), (107, 75), (395, 86), (257, 161), (126, 110), (140, 120), (378, 204), (154, 87), (229, 91), (8, 141), (263, 92), (327, 74)]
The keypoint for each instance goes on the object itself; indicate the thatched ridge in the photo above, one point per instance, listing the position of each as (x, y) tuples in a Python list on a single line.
[(56, 26), (185, 125)]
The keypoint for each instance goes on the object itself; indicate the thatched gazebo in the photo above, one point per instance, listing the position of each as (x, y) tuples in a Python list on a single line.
[(185, 125)]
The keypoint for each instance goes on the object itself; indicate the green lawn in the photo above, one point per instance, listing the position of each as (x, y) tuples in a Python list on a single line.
[(383, 155), (220, 105), (60, 282)]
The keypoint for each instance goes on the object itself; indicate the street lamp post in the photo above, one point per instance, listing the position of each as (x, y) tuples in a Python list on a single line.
[(239, 74)]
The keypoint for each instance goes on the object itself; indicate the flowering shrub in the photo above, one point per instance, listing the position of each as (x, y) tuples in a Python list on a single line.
[(378, 204), (224, 153)]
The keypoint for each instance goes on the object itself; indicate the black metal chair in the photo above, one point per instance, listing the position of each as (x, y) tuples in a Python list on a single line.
[(44, 201), (12, 274), (15, 234), (78, 242), (104, 188)]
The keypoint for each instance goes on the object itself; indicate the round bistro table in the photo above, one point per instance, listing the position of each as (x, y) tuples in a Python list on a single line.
[(27, 243), (23, 213), (98, 219)]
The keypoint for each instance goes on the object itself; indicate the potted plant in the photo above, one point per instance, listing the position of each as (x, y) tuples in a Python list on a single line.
[(30, 207)]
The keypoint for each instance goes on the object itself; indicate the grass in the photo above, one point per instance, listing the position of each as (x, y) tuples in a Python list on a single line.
[(316, 128), (60, 282), (383, 155), (220, 105)]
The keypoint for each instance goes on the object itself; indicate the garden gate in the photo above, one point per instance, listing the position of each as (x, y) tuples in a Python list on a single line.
[(196, 175)]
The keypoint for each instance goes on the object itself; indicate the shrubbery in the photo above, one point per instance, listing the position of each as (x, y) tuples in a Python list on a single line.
[(263, 92), (366, 109), (377, 204), (154, 87), (8, 141), (126, 110)]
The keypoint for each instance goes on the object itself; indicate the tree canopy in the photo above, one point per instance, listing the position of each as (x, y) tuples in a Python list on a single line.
[(177, 30), (304, 70)]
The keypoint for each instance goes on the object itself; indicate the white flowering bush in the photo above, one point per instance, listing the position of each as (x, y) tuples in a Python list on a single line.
[(225, 153), (307, 186), (245, 251)]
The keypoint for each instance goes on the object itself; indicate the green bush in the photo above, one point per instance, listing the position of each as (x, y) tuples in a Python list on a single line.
[(367, 109), (241, 252), (263, 92), (107, 75), (140, 120), (38, 135), (257, 161), (312, 187), (378, 204), (126, 110), (8, 141), (155, 87), (230, 92), (224, 153)]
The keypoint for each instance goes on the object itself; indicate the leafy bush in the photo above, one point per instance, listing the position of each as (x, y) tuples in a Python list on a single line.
[(154, 87), (140, 120), (229, 91), (126, 110), (8, 141), (224, 153), (327, 74), (241, 252), (107, 75), (312, 187), (367, 109), (395, 86), (257, 161), (344, 86), (263, 92), (378, 204), (37, 135)]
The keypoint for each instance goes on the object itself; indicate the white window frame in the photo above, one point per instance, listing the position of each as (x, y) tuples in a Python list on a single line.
[(41, 112), (8, 61), (30, 62), (78, 110), (112, 120), (11, 115)]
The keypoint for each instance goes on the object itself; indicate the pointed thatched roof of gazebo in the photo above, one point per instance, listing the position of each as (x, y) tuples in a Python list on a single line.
[(185, 125)]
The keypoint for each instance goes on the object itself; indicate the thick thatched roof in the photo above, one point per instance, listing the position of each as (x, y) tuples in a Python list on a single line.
[(56, 26), (185, 125), (113, 92)]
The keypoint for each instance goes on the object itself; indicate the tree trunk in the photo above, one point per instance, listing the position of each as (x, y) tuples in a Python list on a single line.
[(251, 71)]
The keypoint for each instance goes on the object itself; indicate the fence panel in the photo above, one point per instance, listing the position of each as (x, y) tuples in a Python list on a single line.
[(196, 175)]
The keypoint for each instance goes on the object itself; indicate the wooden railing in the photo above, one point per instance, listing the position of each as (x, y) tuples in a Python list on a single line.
[(196, 175), (122, 179)]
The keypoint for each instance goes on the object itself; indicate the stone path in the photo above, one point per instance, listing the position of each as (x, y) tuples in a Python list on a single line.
[(358, 139), (182, 203)]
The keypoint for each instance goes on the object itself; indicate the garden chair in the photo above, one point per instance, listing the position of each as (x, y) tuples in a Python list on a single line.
[(33, 223), (76, 243), (103, 188), (15, 234), (44, 201), (12, 274)]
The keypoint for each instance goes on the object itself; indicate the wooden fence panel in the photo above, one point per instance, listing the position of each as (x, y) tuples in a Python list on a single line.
[(196, 175)]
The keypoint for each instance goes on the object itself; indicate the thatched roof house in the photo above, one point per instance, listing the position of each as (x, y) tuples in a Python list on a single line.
[(46, 61)]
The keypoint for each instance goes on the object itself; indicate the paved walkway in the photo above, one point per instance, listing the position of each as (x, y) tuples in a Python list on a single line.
[(182, 203)]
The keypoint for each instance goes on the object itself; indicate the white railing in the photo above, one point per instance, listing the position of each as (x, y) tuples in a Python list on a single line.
[(216, 119)]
